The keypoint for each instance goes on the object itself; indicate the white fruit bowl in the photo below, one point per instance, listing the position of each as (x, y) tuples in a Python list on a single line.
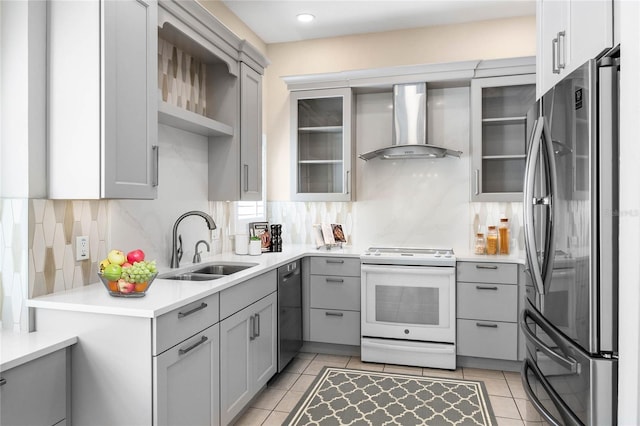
[(139, 290)]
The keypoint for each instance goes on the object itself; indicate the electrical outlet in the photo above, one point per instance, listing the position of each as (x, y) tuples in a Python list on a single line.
[(82, 248)]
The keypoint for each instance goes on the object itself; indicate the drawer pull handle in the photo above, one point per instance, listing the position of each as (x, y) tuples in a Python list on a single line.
[(256, 323), (487, 325), (335, 261), (3, 381), (486, 287), (196, 309), (333, 314), (192, 347), (252, 327), (486, 267), (335, 280)]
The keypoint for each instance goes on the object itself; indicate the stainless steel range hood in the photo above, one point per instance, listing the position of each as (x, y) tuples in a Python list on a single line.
[(410, 127)]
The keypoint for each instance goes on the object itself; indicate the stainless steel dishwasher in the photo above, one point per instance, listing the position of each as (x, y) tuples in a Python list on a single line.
[(289, 313)]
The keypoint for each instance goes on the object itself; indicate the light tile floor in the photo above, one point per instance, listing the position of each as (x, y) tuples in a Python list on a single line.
[(272, 406)]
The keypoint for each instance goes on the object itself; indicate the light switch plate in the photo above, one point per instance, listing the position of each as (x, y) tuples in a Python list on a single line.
[(82, 247)]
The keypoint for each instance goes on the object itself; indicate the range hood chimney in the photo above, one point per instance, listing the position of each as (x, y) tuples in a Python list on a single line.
[(410, 127)]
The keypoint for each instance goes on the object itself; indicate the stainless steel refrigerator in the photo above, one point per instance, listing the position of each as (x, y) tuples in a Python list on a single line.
[(570, 319)]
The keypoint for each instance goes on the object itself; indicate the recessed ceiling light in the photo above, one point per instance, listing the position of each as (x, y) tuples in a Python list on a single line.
[(305, 17)]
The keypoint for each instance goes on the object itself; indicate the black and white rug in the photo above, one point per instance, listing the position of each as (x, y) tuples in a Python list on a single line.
[(340, 396)]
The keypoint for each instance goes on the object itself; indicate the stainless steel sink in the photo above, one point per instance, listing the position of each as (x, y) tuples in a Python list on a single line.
[(223, 268), (188, 276), (207, 272)]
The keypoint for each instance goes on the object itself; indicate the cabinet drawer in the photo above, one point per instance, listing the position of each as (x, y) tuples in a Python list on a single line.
[(335, 326), (488, 339), (497, 302), (333, 292), (343, 266), (242, 295), (179, 324), (487, 272)]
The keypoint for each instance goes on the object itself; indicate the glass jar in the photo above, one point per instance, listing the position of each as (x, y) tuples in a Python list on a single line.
[(492, 240), (503, 235), (479, 246)]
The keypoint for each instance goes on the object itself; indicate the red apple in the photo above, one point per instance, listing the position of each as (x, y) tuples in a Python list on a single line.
[(135, 256), (125, 287), (126, 265)]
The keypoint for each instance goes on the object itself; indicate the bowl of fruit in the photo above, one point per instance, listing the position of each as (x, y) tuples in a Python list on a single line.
[(127, 275)]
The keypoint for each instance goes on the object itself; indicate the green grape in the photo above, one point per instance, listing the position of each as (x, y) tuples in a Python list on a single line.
[(139, 272)]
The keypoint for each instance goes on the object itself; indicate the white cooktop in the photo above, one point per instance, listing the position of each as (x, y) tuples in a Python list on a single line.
[(409, 256)]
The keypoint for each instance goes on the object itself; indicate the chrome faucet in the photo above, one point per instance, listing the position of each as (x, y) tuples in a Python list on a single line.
[(196, 256), (176, 251)]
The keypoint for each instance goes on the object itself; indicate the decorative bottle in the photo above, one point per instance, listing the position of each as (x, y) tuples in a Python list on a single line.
[(503, 232), (492, 240)]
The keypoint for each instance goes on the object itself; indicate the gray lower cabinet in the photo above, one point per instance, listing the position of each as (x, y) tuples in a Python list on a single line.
[(334, 300), (248, 354), (487, 310), (35, 393), (186, 349), (187, 381)]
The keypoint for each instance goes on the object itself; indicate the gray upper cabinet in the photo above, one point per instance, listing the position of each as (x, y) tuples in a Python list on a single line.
[(321, 145), (250, 134), (570, 33), (502, 114), (211, 84), (102, 109)]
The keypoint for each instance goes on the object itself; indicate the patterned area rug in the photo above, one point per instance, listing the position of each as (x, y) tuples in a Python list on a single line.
[(341, 396)]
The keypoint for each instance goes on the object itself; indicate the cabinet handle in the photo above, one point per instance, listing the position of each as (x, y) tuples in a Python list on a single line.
[(561, 50), (252, 327), (256, 324), (335, 280), (334, 261), (486, 287), (486, 267), (346, 182), (3, 381), (477, 181), (196, 309), (554, 56), (246, 178), (155, 149), (487, 325), (192, 347), (333, 314)]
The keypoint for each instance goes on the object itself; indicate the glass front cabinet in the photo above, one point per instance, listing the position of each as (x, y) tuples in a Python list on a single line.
[(502, 116), (321, 142)]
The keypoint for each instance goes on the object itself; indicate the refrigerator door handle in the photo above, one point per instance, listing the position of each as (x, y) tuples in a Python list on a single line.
[(552, 177), (529, 202), (568, 417), (565, 361)]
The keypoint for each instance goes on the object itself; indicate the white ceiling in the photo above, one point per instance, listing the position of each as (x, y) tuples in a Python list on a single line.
[(274, 20)]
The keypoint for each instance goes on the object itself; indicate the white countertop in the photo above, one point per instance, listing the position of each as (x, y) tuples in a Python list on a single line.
[(19, 348), (518, 258), (165, 295)]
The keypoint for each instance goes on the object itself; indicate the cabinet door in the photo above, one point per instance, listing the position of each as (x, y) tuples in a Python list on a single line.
[(250, 134), (321, 150), (552, 18), (569, 34), (502, 111), (187, 381), (235, 375), (130, 99), (265, 344), (34, 393)]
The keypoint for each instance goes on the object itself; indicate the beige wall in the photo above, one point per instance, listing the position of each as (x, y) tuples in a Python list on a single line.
[(479, 40)]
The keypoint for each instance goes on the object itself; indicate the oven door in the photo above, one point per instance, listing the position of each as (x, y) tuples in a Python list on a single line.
[(409, 302)]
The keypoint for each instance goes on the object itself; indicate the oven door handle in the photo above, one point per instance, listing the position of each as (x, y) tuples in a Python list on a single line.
[(415, 269), (568, 417), (565, 361)]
